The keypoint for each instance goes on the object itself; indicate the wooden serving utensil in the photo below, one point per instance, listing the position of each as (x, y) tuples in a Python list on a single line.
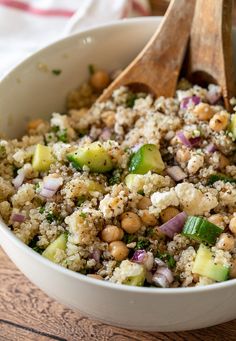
[(158, 65), (210, 56)]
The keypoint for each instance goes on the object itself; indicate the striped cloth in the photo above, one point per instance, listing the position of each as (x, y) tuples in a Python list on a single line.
[(27, 25)]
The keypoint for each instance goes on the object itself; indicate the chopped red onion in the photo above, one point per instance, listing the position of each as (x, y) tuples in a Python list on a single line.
[(184, 139), (211, 148), (159, 262), (139, 256), (47, 193), (195, 140), (143, 257), (51, 183), (96, 255), (165, 272), (18, 217), (176, 173), (191, 142), (160, 280), (19, 179), (106, 134), (213, 94), (174, 225), (189, 101)]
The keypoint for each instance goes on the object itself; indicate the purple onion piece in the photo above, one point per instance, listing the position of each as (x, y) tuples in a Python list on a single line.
[(211, 148), (195, 140), (159, 262), (96, 255), (19, 179), (18, 217), (52, 184), (47, 193), (165, 272), (183, 139), (213, 94), (139, 256), (189, 101), (160, 280), (176, 173), (106, 134), (174, 225)]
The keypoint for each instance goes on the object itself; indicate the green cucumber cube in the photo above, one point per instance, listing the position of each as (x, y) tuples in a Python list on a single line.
[(94, 156), (204, 265), (147, 158), (59, 243)]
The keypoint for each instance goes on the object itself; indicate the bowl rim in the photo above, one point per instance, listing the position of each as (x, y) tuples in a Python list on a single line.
[(67, 272)]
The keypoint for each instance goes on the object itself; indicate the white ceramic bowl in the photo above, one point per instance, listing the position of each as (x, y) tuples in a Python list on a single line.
[(32, 91)]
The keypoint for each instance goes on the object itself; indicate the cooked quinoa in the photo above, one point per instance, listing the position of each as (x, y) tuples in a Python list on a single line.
[(96, 202)]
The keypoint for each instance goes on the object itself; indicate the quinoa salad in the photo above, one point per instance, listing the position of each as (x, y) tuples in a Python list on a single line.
[(136, 190)]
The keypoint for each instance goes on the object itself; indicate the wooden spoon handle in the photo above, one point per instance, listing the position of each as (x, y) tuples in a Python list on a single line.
[(159, 63), (210, 51)]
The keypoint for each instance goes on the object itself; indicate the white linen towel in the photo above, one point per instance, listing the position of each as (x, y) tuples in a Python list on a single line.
[(28, 25)]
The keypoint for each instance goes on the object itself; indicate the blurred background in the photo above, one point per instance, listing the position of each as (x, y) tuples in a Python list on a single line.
[(28, 25)]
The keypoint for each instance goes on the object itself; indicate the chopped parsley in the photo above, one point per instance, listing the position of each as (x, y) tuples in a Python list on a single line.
[(33, 245), (142, 244), (115, 178), (56, 72), (41, 209), (55, 129), (167, 258), (62, 136), (83, 214), (91, 69), (129, 238), (81, 200), (2, 152), (131, 100)]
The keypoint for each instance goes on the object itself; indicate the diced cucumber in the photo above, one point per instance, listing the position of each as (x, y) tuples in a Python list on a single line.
[(204, 265), (130, 182), (232, 126), (58, 244), (201, 230), (42, 158), (147, 158), (94, 156), (133, 273)]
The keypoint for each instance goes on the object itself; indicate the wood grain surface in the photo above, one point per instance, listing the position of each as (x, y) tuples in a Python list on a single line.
[(27, 314)]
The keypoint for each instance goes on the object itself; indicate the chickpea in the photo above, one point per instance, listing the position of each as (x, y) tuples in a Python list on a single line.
[(100, 80), (226, 242), (232, 225), (95, 276), (148, 219), (182, 155), (111, 233), (144, 203), (34, 124), (118, 250), (168, 213), (203, 111), (218, 220), (223, 161), (108, 117), (130, 222), (219, 121), (232, 273)]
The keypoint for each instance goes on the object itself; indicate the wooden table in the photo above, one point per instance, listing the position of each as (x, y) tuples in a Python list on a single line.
[(27, 314)]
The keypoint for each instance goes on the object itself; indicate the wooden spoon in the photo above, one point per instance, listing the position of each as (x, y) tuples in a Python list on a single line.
[(210, 56), (158, 65)]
